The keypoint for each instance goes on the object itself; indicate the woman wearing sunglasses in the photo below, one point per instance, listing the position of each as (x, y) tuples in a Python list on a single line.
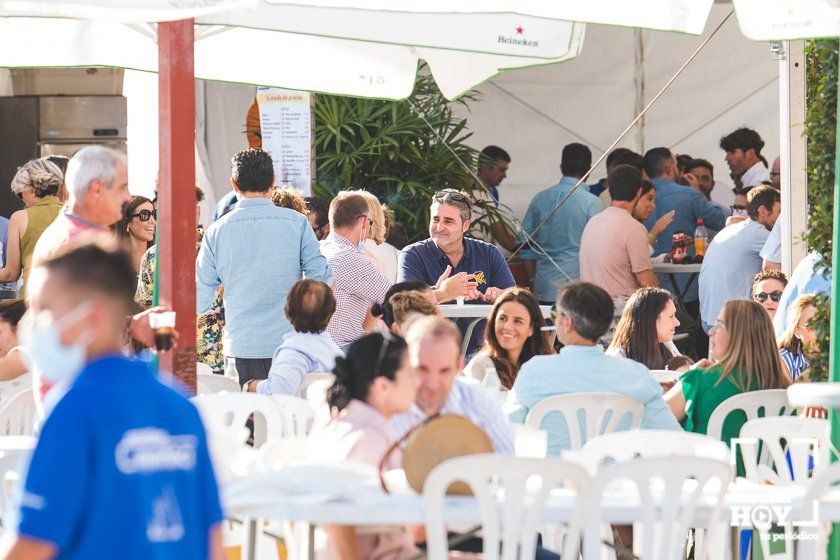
[(137, 228), (796, 346), (767, 289), (36, 183)]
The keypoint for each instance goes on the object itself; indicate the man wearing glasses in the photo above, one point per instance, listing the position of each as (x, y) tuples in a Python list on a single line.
[(457, 266), (734, 255), (358, 284)]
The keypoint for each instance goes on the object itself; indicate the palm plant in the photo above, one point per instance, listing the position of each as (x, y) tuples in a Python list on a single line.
[(402, 151)]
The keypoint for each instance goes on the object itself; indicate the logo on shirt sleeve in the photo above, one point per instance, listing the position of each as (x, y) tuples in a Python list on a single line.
[(148, 450)]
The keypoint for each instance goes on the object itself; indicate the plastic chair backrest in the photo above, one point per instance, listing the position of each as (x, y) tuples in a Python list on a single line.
[(755, 404), (669, 489), (792, 450), (316, 393), (9, 389), (510, 520), (796, 448), (626, 446), (11, 465), (602, 413), (19, 415), (312, 378), (823, 483), (297, 414), (209, 383), (224, 411)]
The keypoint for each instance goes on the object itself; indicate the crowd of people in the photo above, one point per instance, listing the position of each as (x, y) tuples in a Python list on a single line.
[(287, 286)]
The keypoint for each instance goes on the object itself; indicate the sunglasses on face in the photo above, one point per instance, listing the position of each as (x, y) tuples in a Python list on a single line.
[(719, 325), (144, 215), (738, 208), (761, 297)]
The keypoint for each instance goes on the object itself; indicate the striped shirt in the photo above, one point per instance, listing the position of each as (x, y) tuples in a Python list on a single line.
[(358, 284), (473, 402), (796, 363)]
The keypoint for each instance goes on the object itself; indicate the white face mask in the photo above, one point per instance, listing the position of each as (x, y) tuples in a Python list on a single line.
[(41, 338)]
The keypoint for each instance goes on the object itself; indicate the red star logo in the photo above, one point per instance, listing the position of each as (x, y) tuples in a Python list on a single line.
[(519, 30)]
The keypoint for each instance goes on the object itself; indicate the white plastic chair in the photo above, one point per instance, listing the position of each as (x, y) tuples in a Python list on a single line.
[(316, 393), (626, 446), (298, 415), (312, 378), (209, 383), (19, 415), (9, 389), (794, 449), (807, 518), (669, 490), (226, 411), (602, 413), (755, 404), (510, 518), (11, 465)]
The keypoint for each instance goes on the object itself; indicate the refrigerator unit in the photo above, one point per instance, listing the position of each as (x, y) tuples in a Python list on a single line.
[(37, 126)]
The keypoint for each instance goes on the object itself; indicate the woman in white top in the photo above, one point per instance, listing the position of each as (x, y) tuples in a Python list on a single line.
[(513, 336), (645, 332), (384, 257)]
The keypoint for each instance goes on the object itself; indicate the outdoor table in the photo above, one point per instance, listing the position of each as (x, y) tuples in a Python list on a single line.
[(477, 312), (671, 270), (368, 507)]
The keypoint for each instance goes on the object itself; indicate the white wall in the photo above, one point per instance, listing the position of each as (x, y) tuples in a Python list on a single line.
[(594, 95)]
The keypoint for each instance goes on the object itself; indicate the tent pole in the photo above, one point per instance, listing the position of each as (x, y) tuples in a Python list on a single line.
[(834, 342), (176, 191)]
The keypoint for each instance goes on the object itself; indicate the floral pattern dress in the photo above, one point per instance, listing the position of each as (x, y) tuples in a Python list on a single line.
[(208, 344)]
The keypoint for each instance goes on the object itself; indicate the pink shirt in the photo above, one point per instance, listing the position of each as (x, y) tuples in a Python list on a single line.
[(614, 247), (360, 433), (65, 228)]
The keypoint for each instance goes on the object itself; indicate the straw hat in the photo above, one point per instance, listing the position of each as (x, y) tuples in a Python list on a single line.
[(442, 438)]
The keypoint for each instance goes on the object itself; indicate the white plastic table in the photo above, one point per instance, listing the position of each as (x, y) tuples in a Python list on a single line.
[(477, 312), (671, 270), (367, 507)]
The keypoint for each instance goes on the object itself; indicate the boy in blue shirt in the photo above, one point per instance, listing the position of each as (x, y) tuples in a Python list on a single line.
[(121, 468)]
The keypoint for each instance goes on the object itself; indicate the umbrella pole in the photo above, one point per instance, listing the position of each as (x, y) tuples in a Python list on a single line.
[(834, 341), (176, 191)]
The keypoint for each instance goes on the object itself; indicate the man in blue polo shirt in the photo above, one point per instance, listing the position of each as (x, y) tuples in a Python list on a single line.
[(121, 469), (447, 254)]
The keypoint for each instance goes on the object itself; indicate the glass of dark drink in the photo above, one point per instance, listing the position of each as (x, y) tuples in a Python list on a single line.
[(163, 325)]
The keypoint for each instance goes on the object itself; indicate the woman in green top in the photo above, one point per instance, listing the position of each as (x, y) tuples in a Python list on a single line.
[(36, 183), (746, 360)]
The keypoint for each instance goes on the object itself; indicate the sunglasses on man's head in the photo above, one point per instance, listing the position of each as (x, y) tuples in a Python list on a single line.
[(761, 297), (144, 215)]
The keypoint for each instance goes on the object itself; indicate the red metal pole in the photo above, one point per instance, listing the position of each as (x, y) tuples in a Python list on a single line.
[(176, 191)]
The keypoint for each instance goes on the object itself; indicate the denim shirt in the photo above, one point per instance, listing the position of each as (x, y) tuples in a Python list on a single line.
[(690, 205), (257, 251), (559, 237)]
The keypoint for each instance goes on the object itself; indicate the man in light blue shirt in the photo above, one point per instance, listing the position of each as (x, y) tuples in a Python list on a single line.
[(734, 256), (556, 246), (584, 314), (257, 251), (809, 277), (689, 205)]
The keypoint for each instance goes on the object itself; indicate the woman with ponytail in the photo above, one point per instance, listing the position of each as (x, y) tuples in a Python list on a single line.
[(372, 383)]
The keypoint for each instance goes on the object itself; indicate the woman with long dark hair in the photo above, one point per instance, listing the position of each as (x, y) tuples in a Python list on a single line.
[(513, 336), (372, 383), (137, 228), (645, 332)]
